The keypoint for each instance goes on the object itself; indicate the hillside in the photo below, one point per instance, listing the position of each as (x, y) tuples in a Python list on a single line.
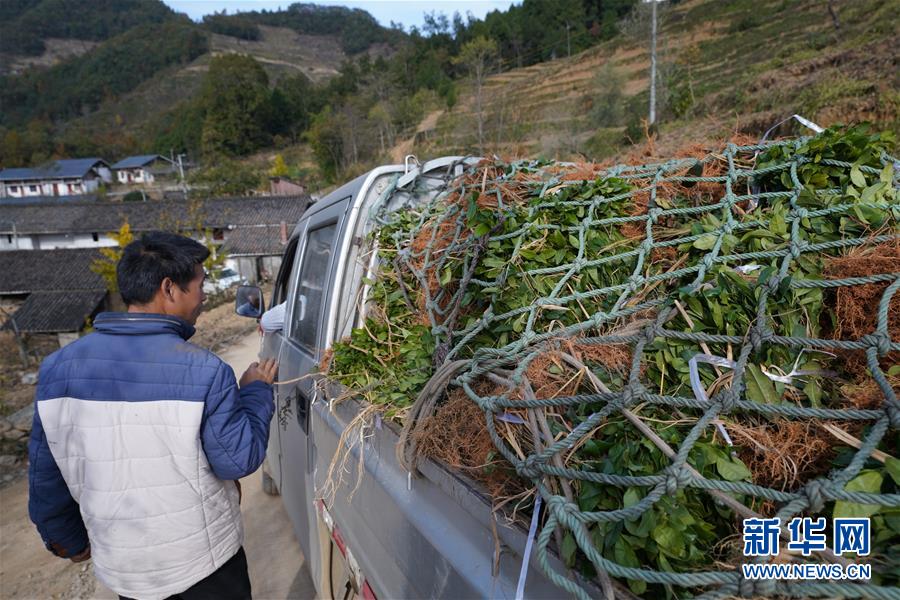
[(109, 78), (40, 32), (281, 52), (725, 68)]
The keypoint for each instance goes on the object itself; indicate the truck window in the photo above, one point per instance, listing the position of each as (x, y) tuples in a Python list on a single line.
[(310, 289), (284, 273)]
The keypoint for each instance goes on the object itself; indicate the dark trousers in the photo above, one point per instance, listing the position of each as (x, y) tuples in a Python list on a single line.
[(230, 582)]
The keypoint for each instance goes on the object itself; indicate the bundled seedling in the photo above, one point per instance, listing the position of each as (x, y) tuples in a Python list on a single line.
[(654, 352)]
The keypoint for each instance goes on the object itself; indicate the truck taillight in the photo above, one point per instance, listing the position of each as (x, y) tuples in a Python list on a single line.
[(365, 590)]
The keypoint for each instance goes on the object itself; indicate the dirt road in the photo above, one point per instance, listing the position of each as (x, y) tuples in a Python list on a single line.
[(277, 567)]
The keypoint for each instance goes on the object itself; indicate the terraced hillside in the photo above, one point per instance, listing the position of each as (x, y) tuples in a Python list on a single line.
[(281, 51), (725, 67)]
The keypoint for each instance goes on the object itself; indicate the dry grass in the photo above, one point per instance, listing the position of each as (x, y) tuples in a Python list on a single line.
[(783, 454), (856, 307)]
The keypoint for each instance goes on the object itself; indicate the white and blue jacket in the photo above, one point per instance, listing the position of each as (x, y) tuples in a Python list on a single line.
[(137, 435)]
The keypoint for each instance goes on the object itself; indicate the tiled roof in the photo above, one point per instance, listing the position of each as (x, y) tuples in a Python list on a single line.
[(58, 169), (54, 312), (27, 271), (101, 217), (133, 162), (255, 241)]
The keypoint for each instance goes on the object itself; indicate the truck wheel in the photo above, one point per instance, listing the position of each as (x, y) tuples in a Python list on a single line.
[(268, 484)]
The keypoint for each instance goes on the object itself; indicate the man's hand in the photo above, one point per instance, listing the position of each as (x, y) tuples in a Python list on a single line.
[(264, 371), (61, 552), (83, 555)]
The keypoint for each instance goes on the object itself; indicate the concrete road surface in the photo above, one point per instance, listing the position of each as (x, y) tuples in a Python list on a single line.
[(277, 567)]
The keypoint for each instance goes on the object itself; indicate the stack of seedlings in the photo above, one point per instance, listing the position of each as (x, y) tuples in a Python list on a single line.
[(654, 352)]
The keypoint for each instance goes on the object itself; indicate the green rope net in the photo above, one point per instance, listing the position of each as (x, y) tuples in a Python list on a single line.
[(680, 307)]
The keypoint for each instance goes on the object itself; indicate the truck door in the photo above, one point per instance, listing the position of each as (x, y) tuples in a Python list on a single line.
[(299, 356), (271, 346)]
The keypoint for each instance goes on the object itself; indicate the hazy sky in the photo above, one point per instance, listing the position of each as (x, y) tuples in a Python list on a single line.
[(408, 12)]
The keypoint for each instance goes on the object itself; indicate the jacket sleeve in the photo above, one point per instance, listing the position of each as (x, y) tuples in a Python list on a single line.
[(235, 429), (50, 504)]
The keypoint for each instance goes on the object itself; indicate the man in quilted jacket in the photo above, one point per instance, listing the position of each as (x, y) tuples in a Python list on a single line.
[(139, 438)]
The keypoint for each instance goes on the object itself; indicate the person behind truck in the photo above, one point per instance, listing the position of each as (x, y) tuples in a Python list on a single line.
[(273, 319), (139, 438), (250, 308)]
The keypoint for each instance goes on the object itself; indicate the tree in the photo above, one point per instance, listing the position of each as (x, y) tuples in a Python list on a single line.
[(105, 266), (476, 56), (234, 95), (227, 178), (279, 167)]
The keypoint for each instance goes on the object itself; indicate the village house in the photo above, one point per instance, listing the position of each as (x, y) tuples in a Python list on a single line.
[(49, 295), (60, 178), (143, 169), (282, 186), (250, 231)]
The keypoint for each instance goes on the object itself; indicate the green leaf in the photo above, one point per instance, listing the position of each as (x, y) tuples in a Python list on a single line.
[(568, 549), (669, 539), (732, 469), (892, 466), (705, 242), (887, 174), (632, 497), (446, 275), (856, 176), (759, 387), (866, 481)]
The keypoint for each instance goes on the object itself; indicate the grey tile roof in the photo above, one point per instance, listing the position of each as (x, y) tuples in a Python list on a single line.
[(102, 217), (255, 241), (54, 312), (66, 168), (132, 162), (27, 271)]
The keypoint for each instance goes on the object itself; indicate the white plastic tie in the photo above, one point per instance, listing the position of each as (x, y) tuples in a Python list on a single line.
[(526, 556)]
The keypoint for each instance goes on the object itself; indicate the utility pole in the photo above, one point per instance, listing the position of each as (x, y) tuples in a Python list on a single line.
[(568, 41), (652, 119)]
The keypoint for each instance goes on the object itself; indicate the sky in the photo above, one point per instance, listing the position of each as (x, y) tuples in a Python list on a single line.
[(407, 12)]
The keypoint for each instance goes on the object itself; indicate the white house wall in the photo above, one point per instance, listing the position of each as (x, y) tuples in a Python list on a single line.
[(10, 242)]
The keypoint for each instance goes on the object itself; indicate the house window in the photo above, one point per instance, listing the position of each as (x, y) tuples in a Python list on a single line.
[(14, 188), (95, 237), (32, 188)]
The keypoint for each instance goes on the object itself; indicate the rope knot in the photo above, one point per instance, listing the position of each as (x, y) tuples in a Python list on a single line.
[(797, 249), (676, 478), (599, 318), (654, 213), (879, 340), (893, 414), (708, 262), (728, 228), (759, 335), (728, 399), (579, 263), (815, 494), (634, 282), (801, 213), (773, 282), (529, 468), (560, 506)]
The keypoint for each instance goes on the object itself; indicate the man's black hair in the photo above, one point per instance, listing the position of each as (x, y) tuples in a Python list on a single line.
[(149, 260)]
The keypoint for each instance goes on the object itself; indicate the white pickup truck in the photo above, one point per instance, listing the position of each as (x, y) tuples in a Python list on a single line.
[(427, 535)]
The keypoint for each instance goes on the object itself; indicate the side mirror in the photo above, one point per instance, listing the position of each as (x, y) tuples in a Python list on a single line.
[(249, 302)]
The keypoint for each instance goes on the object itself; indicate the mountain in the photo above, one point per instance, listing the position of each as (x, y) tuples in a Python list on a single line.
[(31, 28), (724, 68), (102, 76)]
